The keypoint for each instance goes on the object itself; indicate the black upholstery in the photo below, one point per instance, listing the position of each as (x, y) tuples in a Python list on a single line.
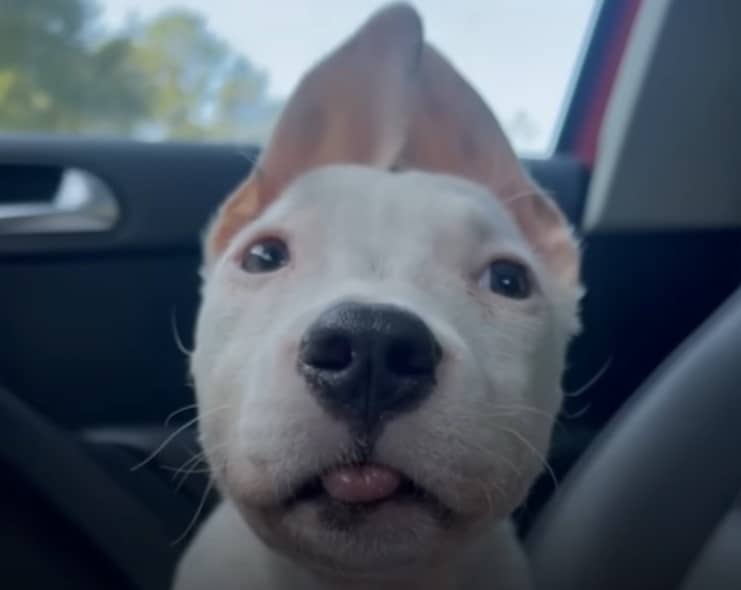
[(718, 566), (641, 506), (74, 511)]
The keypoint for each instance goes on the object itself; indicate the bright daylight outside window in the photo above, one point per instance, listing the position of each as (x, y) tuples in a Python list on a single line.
[(221, 69)]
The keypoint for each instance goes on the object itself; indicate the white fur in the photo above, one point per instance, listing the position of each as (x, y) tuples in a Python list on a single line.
[(423, 242)]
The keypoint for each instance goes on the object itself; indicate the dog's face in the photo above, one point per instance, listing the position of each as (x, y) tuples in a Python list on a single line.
[(378, 352)]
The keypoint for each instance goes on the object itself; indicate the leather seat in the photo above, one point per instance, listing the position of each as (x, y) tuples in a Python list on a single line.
[(73, 510), (644, 503), (718, 565)]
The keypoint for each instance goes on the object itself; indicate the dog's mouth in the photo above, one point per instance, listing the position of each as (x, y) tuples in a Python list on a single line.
[(358, 489)]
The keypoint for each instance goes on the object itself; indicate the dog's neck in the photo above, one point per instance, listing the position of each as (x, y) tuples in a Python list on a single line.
[(493, 556)]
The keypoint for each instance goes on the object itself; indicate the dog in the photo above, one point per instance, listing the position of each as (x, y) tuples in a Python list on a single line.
[(387, 302)]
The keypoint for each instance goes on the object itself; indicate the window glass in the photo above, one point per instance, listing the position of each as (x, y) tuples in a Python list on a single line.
[(221, 69)]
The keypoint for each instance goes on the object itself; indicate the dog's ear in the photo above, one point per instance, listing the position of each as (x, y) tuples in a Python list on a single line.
[(352, 107), (454, 132)]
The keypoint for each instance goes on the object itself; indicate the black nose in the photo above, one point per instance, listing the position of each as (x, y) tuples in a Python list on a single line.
[(369, 361)]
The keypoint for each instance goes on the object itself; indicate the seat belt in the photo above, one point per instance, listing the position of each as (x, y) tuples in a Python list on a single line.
[(60, 469)]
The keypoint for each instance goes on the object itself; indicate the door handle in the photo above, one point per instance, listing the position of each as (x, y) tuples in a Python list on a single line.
[(82, 203)]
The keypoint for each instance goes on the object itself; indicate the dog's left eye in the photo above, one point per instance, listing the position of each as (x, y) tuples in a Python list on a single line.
[(510, 279), (267, 255)]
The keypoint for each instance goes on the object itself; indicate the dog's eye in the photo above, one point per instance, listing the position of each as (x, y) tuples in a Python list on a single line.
[(510, 279), (267, 255)]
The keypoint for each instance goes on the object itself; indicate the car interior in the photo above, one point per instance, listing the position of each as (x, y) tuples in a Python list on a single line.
[(99, 255)]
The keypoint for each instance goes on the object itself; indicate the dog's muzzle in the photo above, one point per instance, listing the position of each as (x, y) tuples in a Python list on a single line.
[(369, 362)]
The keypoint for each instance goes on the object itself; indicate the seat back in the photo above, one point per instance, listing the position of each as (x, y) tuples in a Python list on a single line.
[(640, 507)]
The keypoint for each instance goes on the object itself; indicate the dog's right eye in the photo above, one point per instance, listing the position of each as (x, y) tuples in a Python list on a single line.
[(267, 255)]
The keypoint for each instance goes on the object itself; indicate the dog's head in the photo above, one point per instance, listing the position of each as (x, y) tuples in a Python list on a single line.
[(387, 302)]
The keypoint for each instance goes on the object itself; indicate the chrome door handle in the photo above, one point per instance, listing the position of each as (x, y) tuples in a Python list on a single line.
[(82, 203)]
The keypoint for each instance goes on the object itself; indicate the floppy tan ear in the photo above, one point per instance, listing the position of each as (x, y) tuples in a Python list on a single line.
[(454, 132), (352, 107)]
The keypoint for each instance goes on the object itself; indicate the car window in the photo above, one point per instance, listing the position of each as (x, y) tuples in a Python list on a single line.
[(221, 69)]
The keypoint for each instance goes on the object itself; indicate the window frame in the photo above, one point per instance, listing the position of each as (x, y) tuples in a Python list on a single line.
[(586, 107)]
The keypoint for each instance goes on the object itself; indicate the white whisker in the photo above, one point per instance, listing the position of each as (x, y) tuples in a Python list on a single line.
[(537, 454), (590, 383), (174, 435), (196, 516), (176, 334), (178, 412)]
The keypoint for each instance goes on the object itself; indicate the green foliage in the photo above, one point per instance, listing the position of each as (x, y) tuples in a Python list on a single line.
[(169, 77)]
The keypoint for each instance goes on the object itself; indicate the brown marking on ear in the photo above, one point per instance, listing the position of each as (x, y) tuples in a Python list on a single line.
[(243, 205), (548, 231), (453, 131), (352, 107)]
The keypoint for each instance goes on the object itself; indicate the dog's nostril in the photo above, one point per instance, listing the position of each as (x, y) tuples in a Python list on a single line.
[(330, 351)]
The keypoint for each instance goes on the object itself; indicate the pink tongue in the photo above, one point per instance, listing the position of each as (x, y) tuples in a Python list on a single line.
[(359, 484)]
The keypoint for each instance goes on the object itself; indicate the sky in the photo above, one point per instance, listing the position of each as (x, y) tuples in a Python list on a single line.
[(521, 55)]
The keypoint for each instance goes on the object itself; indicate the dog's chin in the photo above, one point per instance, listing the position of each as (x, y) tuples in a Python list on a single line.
[(405, 529)]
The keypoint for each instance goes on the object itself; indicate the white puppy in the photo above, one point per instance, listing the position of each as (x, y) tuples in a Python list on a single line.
[(387, 303)]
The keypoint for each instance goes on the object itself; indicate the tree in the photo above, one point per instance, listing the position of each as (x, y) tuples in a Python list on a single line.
[(241, 110), (57, 73), (167, 78), (198, 86)]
